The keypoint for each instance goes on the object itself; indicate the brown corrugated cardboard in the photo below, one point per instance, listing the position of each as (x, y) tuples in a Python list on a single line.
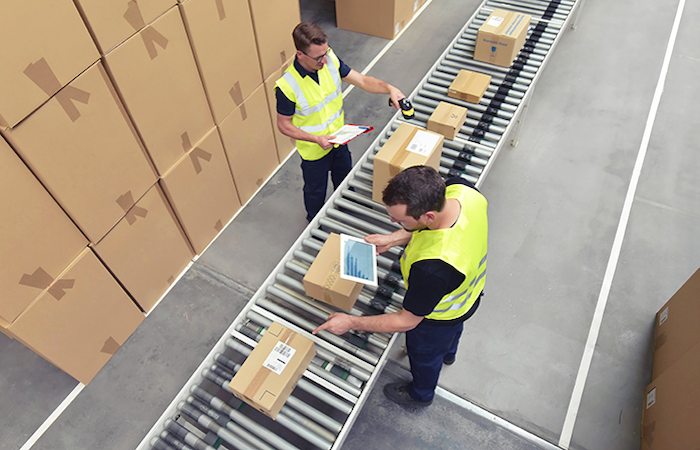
[(84, 149), (323, 281), (80, 321), (221, 34), (249, 144), (39, 240), (270, 373), (200, 190), (501, 37), (285, 144), (156, 76), (386, 20), (111, 22), (45, 46), (273, 22), (671, 406), (408, 146), (147, 250), (469, 86), (677, 326), (447, 119)]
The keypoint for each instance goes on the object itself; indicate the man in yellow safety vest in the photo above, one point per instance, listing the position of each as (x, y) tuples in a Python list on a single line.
[(310, 110), (444, 267)]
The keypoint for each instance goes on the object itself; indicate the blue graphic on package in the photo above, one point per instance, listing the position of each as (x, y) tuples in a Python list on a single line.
[(359, 260)]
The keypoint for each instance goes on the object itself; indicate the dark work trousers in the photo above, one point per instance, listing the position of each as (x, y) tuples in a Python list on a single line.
[(338, 162), (427, 345)]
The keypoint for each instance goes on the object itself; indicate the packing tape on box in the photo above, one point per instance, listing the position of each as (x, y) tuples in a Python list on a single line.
[(41, 74), (149, 35), (110, 346), (236, 94), (126, 203), (330, 280), (220, 9), (195, 153), (40, 279), (398, 159), (59, 288)]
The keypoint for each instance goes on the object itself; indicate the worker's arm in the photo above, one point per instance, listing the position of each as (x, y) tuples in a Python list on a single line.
[(374, 86), (340, 323), (385, 241), (284, 124)]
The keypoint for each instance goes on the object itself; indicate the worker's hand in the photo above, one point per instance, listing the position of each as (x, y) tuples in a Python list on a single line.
[(337, 323), (324, 141), (383, 242), (395, 95)]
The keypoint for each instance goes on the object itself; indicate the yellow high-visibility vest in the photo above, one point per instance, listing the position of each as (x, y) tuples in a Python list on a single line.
[(319, 106), (463, 246)]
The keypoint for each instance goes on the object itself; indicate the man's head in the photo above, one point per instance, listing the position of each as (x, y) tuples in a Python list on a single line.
[(311, 43), (414, 196)]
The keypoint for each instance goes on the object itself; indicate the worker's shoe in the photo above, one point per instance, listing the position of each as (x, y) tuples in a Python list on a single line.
[(398, 393), (448, 360)]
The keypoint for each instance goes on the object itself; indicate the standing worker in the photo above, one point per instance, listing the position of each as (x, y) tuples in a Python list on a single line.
[(310, 110), (444, 266)]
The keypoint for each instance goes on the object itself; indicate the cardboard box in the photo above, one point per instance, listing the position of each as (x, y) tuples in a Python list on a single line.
[(225, 68), (200, 190), (273, 22), (111, 22), (677, 326), (447, 119), (45, 46), (39, 240), (84, 149), (408, 146), (269, 374), (285, 144), (323, 281), (147, 250), (469, 86), (501, 37), (156, 76), (387, 18), (80, 321), (249, 144), (671, 405)]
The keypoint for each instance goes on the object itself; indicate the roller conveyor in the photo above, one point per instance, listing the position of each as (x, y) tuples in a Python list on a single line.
[(332, 391)]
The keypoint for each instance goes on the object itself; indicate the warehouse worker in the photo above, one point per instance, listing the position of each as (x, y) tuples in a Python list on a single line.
[(310, 110), (444, 266)]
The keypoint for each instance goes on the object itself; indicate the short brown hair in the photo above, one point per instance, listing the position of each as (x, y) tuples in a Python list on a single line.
[(307, 33), (420, 188)]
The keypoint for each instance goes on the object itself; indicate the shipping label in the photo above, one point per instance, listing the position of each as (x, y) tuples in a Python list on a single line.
[(279, 357)]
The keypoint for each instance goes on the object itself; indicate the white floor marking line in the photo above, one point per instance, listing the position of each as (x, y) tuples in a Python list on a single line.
[(52, 418), (577, 394)]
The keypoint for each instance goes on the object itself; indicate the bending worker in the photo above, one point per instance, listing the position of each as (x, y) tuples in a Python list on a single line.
[(444, 266), (310, 110)]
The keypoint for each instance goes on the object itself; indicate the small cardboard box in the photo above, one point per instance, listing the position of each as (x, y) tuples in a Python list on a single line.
[(469, 86), (273, 22), (447, 119), (387, 18), (408, 146), (677, 330), (269, 374), (323, 281), (501, 37)]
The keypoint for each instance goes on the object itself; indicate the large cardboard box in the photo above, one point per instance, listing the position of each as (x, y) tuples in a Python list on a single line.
[(156, 76), (200, 190), (269, 374), (273, 22), (227, 69), (677, 326), (44, 46), (671, 406), (408, 146), (249, 144), (39, 240), (285, 144), (111, 22), (323, 281), (469, 86), (447, 119), (84, 149), (147, 250), (383, 18), (501, 37), (80, 320)]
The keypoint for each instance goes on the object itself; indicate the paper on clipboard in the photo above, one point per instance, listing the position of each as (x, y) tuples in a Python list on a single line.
[(348, 132)]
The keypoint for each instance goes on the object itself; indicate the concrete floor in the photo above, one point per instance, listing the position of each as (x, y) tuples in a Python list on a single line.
[(555, 204)]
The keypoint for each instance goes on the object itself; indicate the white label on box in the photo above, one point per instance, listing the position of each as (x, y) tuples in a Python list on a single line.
[(423, 143), (279, 357), (415, 6), (495, 21), (663, 316), (651, 398)]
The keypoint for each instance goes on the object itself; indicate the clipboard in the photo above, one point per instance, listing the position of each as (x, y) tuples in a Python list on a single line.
[(348, 132)]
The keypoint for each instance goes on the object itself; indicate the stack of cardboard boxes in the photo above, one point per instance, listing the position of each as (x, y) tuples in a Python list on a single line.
[(131, 133)]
